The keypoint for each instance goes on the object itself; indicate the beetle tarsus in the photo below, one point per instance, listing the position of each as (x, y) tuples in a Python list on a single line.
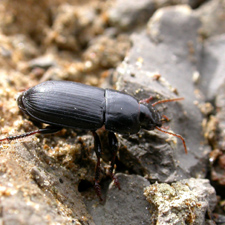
[(116, 182), (98, 190), (113, 143)]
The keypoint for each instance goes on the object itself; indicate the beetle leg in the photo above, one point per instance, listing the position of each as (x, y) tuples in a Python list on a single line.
[(46, 130), (98, 149), (113, 143)]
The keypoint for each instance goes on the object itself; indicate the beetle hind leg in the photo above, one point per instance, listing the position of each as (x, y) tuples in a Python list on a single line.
[(46, 130), (98, 150), (113, 143)]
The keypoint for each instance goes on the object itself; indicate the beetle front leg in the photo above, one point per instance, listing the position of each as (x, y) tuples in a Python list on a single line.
[(46, 130), (98, 150), (113, 143)]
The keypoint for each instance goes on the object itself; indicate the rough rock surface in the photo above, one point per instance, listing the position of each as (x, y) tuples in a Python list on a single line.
[(184, 202)]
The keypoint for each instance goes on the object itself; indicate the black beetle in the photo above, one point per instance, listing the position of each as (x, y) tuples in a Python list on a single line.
[(74, 105)]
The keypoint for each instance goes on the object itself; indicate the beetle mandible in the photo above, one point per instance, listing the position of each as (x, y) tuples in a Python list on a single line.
[(66, 104)]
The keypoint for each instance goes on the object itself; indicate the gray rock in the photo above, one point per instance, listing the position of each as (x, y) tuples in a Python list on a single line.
[(125, 206), (192, 3), (212, 16), (125, 14), (43, 62), (212, 66)]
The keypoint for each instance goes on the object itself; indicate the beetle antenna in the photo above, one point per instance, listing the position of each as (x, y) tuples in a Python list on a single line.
[(176, 135), (167, 100), (146, 100)]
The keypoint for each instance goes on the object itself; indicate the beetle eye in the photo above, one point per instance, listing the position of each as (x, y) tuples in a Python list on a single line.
[(142, 117), (145, 118), (149, 117)]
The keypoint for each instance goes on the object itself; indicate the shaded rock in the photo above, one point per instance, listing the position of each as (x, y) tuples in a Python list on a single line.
[(126, 14), (192, 3)]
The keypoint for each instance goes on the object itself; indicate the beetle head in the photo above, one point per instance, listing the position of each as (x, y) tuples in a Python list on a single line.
[(149, 117)]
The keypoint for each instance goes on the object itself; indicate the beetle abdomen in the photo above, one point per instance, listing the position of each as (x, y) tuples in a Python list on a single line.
[(66, 104), (121, 113)]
